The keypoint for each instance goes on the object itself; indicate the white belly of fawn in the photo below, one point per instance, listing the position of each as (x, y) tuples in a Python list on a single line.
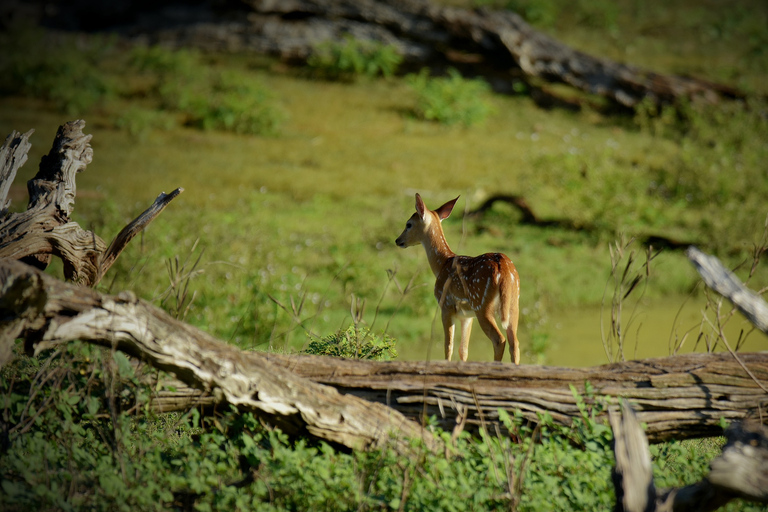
[(466, 288)]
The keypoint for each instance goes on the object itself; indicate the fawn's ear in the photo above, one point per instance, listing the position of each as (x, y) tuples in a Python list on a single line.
[(444, 211), (420, 208)]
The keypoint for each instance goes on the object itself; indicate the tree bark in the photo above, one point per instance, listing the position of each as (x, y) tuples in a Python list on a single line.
[(46, 312), (741, 471), (44, 229), (724, 282), (677, 397)]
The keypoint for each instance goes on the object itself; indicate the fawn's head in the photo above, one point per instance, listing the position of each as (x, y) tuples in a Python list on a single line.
[(423, 222)]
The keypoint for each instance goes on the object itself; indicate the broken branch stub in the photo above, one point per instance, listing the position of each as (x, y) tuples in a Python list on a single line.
[(741, 471)]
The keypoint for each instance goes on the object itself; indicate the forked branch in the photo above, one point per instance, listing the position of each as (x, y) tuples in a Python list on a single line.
[(44, 229)]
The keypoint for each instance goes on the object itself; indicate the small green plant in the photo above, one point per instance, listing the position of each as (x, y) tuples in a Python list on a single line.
[(450, 100), (354, 343), (627, 276), (352, 58)]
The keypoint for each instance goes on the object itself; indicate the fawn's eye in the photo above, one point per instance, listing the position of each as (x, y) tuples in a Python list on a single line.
[(408, 225)]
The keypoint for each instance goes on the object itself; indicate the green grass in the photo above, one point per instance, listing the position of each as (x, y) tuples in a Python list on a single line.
[(313, 211)]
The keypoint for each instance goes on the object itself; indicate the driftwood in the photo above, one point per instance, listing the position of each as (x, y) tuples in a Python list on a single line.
[(741, 471), (46, 312), (722, 280), (498, 44), (44, 229)]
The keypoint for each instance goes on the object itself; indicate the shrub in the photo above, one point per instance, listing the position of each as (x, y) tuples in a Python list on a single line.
[(70, 77), (351, 58), (231, 101), (450, 100), (139, 122), (354, 343)]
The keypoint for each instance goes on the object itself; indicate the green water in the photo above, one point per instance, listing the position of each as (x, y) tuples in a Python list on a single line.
[(575, 335)]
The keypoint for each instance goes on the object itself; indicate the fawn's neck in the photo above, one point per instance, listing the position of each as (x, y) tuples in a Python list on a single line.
[(437, 249)]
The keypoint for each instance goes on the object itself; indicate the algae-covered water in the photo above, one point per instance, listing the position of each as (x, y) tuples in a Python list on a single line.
[(659, 328)]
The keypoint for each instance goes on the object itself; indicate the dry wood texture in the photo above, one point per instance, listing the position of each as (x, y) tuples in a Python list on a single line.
[(45, 312), (44, 229), (677, 397), (741, 471), (724, 282)]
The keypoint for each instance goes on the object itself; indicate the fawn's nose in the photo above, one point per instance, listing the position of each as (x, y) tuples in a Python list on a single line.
[(399, 243)]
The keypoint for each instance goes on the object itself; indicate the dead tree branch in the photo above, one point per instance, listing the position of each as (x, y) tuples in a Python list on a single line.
[(741, 471), (45, 229), (46, 312)]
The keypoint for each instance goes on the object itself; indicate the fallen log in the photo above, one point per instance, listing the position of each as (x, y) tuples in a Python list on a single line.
[(678, 397), (741, 471), (46, 312), (44, 229), (496, 43)]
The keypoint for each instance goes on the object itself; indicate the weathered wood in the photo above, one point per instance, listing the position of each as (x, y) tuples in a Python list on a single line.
[(497, 44), (741, 471), (13, 155), (677, 397), (44, 229), (724, 282), (47, 312)]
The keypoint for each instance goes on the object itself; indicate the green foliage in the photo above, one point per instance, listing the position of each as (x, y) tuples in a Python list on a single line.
[(600, 14), (352, 58), (140, 122), (450, 100), (58, 68), (354, 343), (78, 435), (228, 100)]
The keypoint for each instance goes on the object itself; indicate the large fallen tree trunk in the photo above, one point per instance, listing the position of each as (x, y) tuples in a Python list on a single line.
[(484, 41), (46, 312), (676, 397)]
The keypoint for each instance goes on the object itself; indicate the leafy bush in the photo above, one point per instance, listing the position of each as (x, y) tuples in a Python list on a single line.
[(139, 122), (69, 77), (450, 100), (354, 343), (351, 58), (230, 101)]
